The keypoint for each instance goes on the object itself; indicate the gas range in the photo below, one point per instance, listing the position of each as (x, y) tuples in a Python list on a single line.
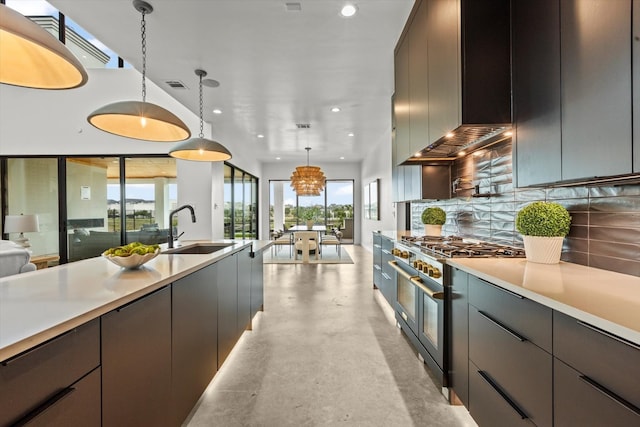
[(458, 247)]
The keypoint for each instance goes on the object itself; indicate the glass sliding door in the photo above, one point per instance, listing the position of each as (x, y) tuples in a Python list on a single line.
[(228, 202), (32, 188), (150, 195), (340, 207), (240, 204), (93, 206)]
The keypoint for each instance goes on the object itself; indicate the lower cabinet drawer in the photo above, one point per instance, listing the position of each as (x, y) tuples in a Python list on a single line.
[(523, 370), (30, 379), (579, 401), (78, 405), (488, 405), (607, 359)]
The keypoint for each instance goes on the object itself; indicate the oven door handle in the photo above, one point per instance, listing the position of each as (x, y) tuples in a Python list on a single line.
[(431, 294), (394, 265)]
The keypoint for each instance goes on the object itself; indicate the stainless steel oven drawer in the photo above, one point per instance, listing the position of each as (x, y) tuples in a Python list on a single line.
[(528, 318)]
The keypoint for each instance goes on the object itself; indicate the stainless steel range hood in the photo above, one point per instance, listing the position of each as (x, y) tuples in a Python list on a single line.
[(464, 140)]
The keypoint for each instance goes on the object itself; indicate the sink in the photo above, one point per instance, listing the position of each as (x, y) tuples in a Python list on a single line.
[(199, 248)]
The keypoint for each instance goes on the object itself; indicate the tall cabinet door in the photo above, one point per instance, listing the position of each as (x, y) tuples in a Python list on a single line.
[(536, 91), (227, 280), (136, 362), (596, 88), (636, 85), (401, 102), (418, 81)]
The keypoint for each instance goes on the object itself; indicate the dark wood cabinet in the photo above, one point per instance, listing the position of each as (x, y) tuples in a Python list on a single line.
[(572, 89), (194, 339), (244, 291), (536, 91), (608, 367), (227, 280), (136, 362), (257, 284), (596, 88), (42, 383), (401, 102), (459, 364), (418, 84)]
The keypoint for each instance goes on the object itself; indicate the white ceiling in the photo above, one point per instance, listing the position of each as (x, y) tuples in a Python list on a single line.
[(276, 67)]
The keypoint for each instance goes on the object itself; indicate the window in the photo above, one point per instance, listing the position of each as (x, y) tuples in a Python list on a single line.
[(240, 204)]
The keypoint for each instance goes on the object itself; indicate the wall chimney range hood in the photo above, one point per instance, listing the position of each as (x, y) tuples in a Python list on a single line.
[(468, 96)]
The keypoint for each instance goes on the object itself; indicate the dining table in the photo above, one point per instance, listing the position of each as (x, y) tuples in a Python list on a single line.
[(319, 229)]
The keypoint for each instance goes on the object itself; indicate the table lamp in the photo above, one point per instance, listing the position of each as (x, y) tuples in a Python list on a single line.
[(21, 224)]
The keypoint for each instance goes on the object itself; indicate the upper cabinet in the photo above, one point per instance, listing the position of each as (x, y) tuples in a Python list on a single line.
[(452, 70), (572, 89)]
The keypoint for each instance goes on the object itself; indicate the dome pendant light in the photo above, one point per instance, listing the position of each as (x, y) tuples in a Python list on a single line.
[(140, 120), (32, 57), (200, 149)]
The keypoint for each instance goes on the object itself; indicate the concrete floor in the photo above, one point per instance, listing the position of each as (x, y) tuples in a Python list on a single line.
[(325, 351)]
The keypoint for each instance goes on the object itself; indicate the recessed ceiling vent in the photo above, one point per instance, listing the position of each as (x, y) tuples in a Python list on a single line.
[(293, 7), (303, 125), (175, 84)]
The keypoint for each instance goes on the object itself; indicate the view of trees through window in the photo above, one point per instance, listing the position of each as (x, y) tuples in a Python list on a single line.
[(333, 207)]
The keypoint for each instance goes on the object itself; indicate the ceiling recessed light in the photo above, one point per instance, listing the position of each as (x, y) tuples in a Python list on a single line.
[(335, 109), (341, 157), (277, 158), (217, 111), (348, 10), (260, 135), (350, 133)]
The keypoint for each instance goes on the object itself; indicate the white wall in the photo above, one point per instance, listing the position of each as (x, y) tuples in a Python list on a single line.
[(377, 164), (335, 170)]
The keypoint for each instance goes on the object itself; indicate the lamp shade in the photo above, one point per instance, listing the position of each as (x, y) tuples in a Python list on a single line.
[(200, 149), (21, 223), (140, 120), (32, 57)]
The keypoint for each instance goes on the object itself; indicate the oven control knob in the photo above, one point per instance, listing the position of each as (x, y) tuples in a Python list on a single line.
[(436, 273), (405, 254)]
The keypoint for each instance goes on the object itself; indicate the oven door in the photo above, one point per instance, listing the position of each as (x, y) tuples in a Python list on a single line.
[(406, 304), (430, 322)]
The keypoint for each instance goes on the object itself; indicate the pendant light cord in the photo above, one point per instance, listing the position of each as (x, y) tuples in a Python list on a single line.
[(201, 120), (143, 30)]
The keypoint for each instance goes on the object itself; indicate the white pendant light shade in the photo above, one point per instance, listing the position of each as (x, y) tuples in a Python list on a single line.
[(32, 57), (200, 149), (139, 120)]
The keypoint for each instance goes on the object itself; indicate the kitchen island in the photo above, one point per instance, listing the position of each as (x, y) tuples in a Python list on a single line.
[(113, 337)]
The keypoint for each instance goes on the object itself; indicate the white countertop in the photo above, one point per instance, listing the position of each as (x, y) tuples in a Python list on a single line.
[(42, 304), (605, 299)]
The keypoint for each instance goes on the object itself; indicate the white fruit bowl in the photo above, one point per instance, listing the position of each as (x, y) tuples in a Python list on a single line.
[(132, 261)]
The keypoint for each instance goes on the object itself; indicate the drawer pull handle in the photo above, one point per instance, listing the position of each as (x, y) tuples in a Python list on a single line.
[(431, 294), (503, 327), (46, 406), (386, 251), (506, 291), (611, 395), (610, 335), (394, 265), (504, 395), (386, 276), (45, 344), (377, 245), (376, 266)]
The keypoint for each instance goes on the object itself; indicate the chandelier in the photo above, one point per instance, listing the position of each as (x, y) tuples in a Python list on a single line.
[(307, 180)]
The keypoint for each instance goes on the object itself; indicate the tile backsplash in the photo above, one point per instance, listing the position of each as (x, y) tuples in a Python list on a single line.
[(605, 226)]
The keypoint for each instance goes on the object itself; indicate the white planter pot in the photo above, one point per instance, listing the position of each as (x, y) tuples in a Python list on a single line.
[(432, 230), (543, 250), (310, 224)]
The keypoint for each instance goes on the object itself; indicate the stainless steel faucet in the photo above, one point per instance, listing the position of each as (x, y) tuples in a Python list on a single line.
[(171, 214)]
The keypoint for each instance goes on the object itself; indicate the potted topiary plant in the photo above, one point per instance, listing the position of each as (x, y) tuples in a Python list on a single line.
[(309, 215), (543, 226), (433, 218)]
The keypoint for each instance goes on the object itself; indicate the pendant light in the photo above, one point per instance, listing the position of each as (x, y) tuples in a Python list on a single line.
[(307, 180), (32, 57), (200, 149), (140, 120)]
